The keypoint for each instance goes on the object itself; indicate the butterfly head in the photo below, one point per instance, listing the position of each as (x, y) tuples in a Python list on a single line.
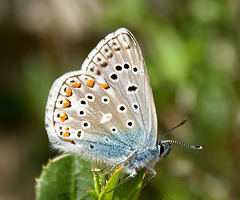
[(164, 148)]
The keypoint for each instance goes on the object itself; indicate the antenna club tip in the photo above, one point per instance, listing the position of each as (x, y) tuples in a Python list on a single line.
[(199, 147)]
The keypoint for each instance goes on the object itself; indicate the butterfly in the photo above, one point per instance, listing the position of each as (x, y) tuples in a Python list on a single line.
[(105, 112)]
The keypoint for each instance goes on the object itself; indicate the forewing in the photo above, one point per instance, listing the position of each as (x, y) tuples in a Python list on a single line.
[(118, 59)]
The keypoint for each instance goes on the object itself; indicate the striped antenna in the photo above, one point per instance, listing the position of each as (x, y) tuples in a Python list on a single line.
[(181, 143)]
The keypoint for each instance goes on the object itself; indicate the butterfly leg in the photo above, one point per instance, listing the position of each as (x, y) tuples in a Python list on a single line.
[(98, 170), (151, 171), (133, 174), (132, 156)]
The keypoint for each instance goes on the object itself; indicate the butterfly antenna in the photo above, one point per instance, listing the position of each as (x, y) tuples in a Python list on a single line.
[(183, 122), (181, 143)]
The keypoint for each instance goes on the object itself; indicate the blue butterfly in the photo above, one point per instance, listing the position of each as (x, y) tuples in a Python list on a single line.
[(105, 112)]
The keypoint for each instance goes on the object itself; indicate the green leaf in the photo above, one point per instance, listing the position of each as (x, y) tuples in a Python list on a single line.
[(98, 183), (69, 177), (131, 189), (108, 190), (65, 177), (103, 191), (93, 194)]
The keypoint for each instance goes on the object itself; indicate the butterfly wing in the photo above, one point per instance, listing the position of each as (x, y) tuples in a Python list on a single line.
[(106, 111), (118, 59), (88, 117)]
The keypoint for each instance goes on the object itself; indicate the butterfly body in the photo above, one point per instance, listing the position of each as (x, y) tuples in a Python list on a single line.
[(105, 112)]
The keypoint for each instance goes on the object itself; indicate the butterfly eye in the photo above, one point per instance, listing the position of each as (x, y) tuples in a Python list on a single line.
[(164, 149), (161, 149)]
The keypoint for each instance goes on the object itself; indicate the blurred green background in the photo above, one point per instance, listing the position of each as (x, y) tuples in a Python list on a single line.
[(192, 53)]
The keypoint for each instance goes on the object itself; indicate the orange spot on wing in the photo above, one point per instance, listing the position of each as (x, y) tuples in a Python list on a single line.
[(90, 83), (76, 85), (66, 129), (70, 141), (66, 134), (63, 117), (68, 92), (104, 85), (66, 104)]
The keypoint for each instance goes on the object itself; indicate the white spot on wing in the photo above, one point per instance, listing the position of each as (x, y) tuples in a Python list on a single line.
[(106, 117)]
